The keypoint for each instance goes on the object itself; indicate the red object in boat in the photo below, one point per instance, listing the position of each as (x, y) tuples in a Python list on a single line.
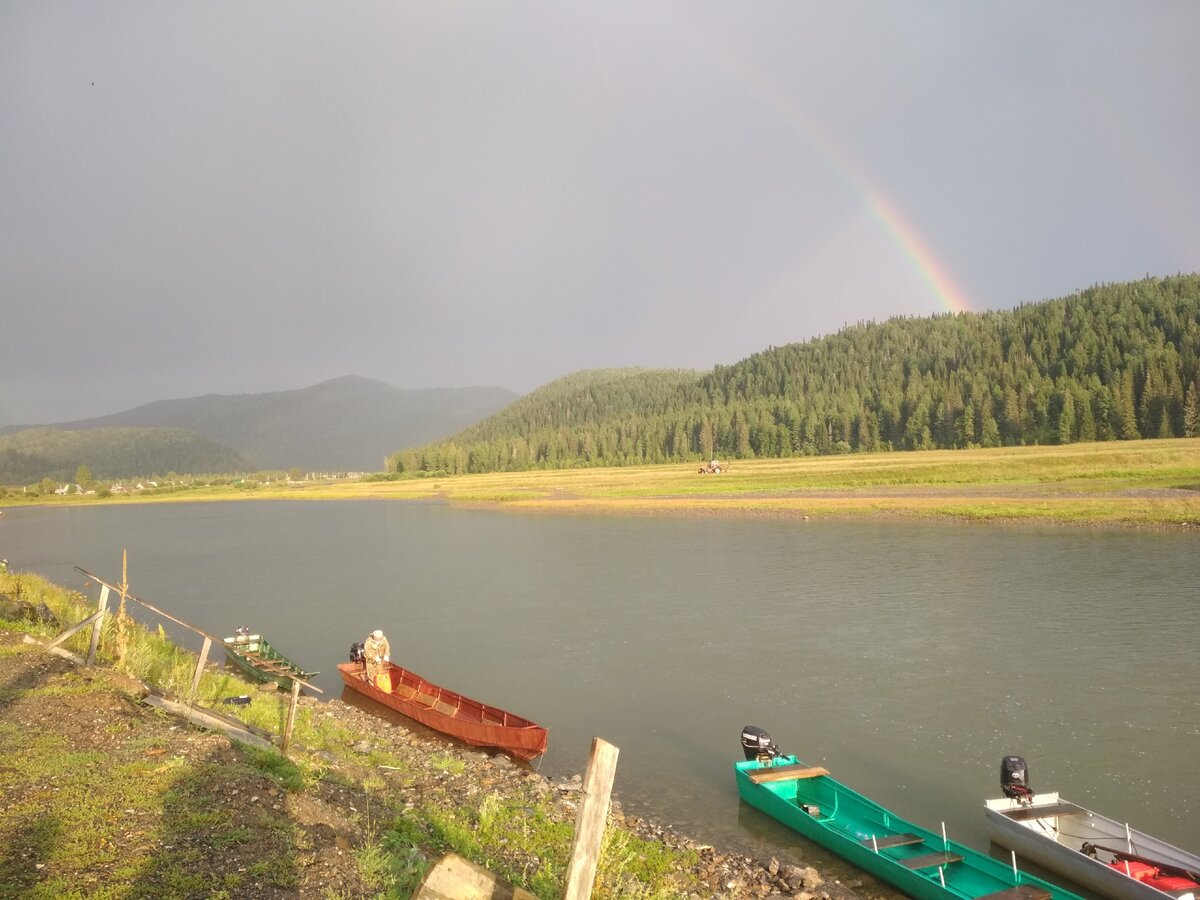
[(449, 712), (1138, 871), (1148, 874)]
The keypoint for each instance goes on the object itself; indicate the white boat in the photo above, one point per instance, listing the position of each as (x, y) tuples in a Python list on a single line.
[(1100, 853)]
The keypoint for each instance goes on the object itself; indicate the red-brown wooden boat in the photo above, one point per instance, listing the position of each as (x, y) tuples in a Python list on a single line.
[(447, 711)]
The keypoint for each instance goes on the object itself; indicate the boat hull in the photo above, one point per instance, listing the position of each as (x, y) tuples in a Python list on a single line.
[(1052, 831), (450, 713), (258, 660), (917, 861)]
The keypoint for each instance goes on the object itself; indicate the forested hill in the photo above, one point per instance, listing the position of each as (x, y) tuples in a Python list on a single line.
[(573, 419), (1111, 362), (57, 454)]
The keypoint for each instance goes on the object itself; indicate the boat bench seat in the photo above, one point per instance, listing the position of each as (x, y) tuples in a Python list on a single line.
[(1054, 810), (1020, 892), (892, 840), (270, 665), (786, 773), (941, 858)]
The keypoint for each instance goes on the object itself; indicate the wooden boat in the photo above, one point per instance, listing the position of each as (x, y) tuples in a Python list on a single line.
[(255, 656), (1100, 853), (449, 712), (917, 861)]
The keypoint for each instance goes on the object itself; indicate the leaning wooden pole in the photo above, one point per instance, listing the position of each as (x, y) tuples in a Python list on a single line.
[(591, 820), (290, 722), (200, 663)]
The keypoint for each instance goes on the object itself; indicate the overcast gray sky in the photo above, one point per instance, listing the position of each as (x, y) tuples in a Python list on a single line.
[(232, 197)]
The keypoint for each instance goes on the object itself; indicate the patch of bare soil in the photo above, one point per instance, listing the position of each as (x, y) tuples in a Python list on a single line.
[(219, 823)]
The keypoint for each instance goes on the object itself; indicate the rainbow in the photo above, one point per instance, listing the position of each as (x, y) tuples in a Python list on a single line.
[(918, 253), (903, 233)]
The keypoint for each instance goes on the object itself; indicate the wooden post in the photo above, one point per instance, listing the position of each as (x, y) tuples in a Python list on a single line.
[(591, 820), (101, 606), (291, 718), (200, 666)]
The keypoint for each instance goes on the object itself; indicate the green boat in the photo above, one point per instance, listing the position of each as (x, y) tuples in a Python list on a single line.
[(917, 861), (255, 656)]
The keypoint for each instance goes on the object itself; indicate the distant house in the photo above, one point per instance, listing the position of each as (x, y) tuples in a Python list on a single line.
[(118, 489)]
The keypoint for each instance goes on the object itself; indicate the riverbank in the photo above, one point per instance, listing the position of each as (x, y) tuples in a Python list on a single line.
[(105, 796), (1133, 484)]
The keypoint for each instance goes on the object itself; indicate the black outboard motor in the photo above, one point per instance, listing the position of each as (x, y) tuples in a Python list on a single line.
[(358, 653), (757, 744), (1014, 779)]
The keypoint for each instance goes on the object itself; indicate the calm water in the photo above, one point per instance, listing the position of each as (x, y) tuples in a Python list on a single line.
[(907, 658)]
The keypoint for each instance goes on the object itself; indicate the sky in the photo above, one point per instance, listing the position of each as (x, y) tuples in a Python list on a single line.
[(231, 197)]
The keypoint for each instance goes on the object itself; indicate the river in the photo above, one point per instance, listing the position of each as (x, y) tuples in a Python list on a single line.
[(907, 658)]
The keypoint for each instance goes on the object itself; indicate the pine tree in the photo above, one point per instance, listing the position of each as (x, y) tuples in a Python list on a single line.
[(1066, 419), (1127, 429), (1191, 412), (1087, 421), (1164, 425), (989, 431)]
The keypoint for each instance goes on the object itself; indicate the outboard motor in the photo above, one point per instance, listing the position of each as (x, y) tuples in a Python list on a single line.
[(757, 744), (358, 653), (1014, 779)]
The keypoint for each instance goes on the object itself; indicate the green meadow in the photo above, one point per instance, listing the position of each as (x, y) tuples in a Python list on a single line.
[(1126, 483)]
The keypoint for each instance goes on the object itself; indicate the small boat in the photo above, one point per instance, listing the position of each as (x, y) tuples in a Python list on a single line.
[(917, 861), (255, 656), (1100, 853), (446, 711)]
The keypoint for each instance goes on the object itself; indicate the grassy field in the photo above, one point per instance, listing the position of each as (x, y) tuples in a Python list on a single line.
[(1130, 483)]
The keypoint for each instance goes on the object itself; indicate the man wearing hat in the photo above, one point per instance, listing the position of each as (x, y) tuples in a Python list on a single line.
[(377, 652)]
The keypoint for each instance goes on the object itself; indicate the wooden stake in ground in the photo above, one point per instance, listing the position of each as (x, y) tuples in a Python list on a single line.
[(101, 607), (291, 718), (591, 821)]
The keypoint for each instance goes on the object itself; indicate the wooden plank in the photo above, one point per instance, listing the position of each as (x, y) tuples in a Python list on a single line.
[(787, 773), (1020, 892), (892, 840), (200, 665), (57, 651), (591, 821), (100, 607), (455, 878), (201, 717), (94, 617), (940, 858)]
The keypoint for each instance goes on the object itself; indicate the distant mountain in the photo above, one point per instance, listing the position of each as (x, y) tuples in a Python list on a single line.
[(36, 453), (346, 424)]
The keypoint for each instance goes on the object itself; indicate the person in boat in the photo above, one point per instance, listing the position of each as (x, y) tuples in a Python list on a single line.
[(377, 652)]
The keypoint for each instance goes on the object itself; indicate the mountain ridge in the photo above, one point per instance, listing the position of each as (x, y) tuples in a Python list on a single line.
[(348, 423)]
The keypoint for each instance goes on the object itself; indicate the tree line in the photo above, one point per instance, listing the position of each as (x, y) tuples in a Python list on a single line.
[(57, 454), (1113, 362)]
